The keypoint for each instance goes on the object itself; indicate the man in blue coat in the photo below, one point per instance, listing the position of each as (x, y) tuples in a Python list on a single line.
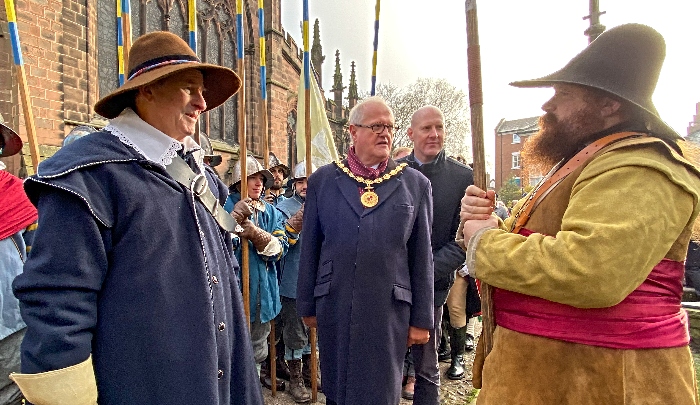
[(366, 267), (129, 292)]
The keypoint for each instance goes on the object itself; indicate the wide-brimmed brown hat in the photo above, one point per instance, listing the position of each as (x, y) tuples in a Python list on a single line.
[(11, 142), (624, 61), (160, 54)]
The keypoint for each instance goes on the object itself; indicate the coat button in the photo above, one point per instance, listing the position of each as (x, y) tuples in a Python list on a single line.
[(222, 326), (215, 279), (221, 374)]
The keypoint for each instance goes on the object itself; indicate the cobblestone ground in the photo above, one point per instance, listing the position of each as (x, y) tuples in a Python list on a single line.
[(451, 392)]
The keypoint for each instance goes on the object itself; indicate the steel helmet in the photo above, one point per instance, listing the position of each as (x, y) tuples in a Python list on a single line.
[(210, 157), (300, 171), (274, 162), (253, 167), (11, 142), (78, 132)]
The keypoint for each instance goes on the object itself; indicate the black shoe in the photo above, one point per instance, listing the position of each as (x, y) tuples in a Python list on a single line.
[(469, 343), (444, 355), (265, 379), (456, 370)]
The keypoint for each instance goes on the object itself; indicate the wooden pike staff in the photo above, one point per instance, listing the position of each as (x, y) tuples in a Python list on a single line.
[(23, 88), (192, 23), (476, 102), (307, 137), (242, 155), (266, 164), (126, 31)]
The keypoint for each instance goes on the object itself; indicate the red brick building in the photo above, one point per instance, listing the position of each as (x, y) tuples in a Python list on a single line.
[(509, 136), (70, 55)]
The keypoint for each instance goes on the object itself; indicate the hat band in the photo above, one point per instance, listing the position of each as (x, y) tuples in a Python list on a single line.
[(160, 62)]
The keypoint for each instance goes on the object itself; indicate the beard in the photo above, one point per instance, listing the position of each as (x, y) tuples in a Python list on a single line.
[(276, 185), (560, 139)]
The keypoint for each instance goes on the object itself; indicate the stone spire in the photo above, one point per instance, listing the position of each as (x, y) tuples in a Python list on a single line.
[(317, 57), (338, 86), (352, 90)]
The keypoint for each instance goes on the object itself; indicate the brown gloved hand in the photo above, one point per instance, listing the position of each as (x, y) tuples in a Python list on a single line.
[(296, 220), (242, 210), (259, 237)]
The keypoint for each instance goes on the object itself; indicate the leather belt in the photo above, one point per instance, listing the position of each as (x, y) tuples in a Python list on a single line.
[(197, 183)]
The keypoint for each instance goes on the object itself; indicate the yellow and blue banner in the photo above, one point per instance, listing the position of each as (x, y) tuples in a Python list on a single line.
[(120, 42), (305, 32)]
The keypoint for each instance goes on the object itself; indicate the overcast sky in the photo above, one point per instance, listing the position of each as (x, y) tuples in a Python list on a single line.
[(519, 40)]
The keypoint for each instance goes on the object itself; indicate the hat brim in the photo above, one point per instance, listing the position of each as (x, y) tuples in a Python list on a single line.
[(285, 169), (659, 126), (220, 84), (12, 141), (266, 174)]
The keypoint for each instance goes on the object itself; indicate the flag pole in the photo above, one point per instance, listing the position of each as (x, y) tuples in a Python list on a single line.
[(376, 44), (23, 88), (120, 43), (242, 154), (476, 102), (192, 22), (307, 137), (126, 31), (266, 164)]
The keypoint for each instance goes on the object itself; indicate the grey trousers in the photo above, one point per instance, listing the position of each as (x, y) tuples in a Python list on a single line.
[(9, 363), (425, 362)]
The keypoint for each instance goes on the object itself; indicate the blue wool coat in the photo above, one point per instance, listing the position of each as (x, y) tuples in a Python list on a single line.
[(366, 274), (128, 266), (262, 270)]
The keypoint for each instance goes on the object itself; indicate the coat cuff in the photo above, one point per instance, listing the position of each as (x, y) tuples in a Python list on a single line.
[(471, 249), (73, 385)]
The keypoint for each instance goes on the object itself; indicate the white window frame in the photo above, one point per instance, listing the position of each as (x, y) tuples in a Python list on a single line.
[(515, 160), (516, 138)]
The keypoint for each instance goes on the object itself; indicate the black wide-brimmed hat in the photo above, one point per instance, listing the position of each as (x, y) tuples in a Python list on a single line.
[(624, 61), (11, 142), (157, 55)]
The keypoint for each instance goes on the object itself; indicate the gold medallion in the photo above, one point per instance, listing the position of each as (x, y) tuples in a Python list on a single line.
[(369, 198)]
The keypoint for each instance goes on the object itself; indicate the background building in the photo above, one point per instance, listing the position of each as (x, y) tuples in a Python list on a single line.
[(509, 136), (70, 55)]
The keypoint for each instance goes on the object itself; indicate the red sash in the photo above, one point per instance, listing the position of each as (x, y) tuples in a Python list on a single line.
[(650, 317), (16, 212)]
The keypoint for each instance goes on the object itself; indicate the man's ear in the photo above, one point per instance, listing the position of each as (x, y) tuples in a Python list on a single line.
[(610, 107), (146, 92), (409, 132), (353, 132)]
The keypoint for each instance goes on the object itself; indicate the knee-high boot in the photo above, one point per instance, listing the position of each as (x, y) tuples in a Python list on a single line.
[(458, 339)]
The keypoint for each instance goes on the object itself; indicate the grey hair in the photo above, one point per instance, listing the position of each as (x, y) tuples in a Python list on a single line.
[(358, 111)]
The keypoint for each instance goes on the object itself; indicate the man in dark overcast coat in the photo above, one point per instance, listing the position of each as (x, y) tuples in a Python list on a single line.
[(366, 269)]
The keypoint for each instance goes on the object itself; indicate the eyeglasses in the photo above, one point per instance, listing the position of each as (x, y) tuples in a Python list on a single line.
[(379, 128)]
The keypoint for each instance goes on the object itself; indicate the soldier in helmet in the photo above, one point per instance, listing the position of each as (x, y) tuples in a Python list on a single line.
[(275, 192), (295, 333), (210, 158), (264, 230)]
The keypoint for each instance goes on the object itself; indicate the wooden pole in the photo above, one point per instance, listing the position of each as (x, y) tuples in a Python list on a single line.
[(23, 88), (242, 155), (266, 164), (376, 45), (192, 23), (476, 102), (126, 33), (307, 138)]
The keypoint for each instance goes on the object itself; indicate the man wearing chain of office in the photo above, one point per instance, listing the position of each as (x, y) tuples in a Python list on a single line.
[(366, 267)]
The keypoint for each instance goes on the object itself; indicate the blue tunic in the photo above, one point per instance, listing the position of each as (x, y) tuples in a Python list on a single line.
[(262, 269), (128, 266)]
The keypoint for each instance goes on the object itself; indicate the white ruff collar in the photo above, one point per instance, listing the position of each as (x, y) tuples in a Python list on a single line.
[(149, 142)]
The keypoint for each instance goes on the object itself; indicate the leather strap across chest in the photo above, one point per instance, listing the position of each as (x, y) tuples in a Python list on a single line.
[(559, 173), (197, 183)]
